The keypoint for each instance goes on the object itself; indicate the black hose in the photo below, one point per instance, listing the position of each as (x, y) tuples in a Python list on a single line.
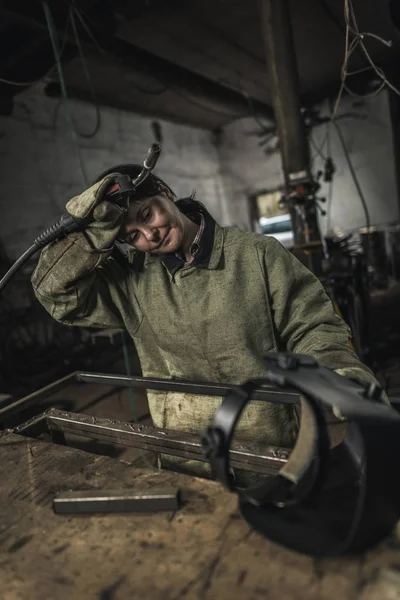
[(18, 264), (68, 224)]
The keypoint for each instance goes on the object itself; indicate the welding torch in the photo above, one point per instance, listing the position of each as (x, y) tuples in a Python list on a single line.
[(121, 189)]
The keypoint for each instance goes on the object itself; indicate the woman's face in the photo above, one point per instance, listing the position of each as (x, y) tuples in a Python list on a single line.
[(153, 225)]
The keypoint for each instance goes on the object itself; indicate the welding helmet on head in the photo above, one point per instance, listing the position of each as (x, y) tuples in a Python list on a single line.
[(152, 186)]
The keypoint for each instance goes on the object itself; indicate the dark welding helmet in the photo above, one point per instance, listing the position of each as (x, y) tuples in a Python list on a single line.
[(152, 185), (324, 501)]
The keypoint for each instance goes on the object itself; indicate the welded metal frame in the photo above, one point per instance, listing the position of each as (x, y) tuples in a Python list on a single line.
[(59, 424), (267, 460)]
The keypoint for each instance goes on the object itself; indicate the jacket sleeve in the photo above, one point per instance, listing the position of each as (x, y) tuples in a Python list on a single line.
[(304, 317), (76, 279)]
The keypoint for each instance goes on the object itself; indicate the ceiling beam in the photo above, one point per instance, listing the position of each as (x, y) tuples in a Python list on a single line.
[(200, 118), (170, 74)]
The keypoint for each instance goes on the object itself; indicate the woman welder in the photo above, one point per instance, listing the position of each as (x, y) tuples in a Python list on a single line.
[(204, 303)]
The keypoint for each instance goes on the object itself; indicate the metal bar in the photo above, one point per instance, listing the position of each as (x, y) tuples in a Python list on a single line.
[(37, 396), (171, 385), (131, 501), (5, 400), (33, 427), (267, 394), (268, 460)]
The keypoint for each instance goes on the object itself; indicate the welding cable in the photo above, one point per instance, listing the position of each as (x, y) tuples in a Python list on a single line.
[(68, 224)]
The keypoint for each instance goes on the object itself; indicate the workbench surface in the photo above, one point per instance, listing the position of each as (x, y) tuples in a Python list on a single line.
[(203, 551)]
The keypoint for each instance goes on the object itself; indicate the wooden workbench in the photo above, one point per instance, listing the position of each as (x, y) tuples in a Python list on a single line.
[(204, 551)]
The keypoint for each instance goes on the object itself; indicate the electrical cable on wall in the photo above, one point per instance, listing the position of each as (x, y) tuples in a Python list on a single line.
[(351, 29), (54, 41), (166, 86), (152, 92), (97, 126), (89, 80), (47, 74), (157, 76), (350, 46), (354, 176), (106, 54), (25, 83), (318, 149), (366, 247), (69, 119), (342, 28)]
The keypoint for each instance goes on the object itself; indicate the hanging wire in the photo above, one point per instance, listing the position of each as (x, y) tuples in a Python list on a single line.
[(264, 126), (88, 79), (354, 176), (24, 83), (106, 54), (29, 83), (157, 76), (351, 28), (368, 324), (56, 50), (318, 149)]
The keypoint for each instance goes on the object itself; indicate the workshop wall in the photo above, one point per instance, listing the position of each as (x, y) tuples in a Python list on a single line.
[(247, 170), (40, 170)]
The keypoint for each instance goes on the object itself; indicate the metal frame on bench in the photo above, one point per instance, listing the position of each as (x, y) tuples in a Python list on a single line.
[(267, 460), (58, 423)]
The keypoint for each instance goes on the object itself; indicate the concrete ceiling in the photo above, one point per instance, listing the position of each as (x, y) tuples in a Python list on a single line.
[(199, 62)]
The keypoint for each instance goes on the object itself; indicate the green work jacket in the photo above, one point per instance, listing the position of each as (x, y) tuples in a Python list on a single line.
[(211, 324)]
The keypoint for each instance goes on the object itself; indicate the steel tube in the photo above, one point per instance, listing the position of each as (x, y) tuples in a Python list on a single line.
[(127, 501), (268, 394), (36, 397)]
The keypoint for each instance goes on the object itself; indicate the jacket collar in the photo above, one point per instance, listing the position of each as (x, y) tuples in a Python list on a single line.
[(211, 242)]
